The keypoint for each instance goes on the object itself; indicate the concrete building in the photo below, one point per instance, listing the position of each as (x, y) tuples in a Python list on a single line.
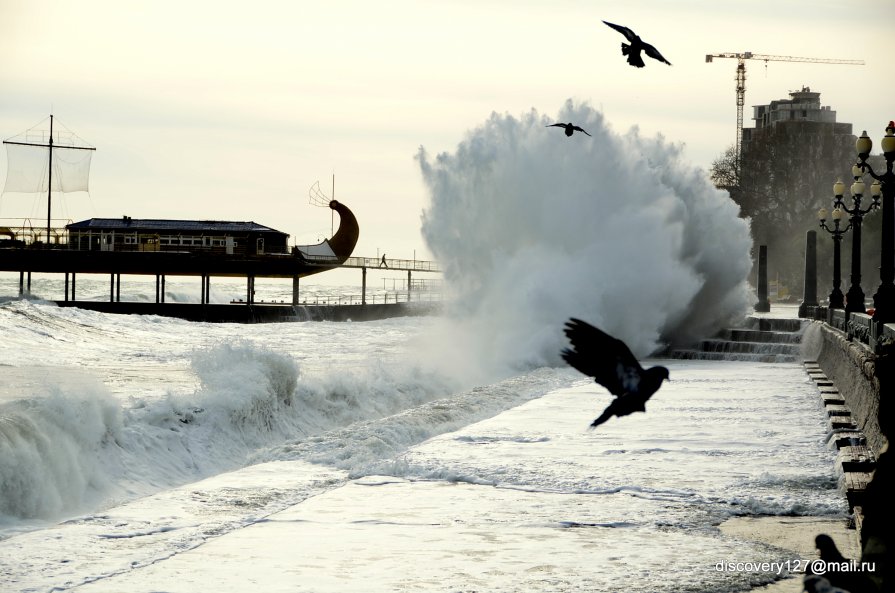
[(130, 234), (802, 110)]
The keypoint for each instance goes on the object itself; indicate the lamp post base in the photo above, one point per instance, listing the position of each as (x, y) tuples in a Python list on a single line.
[(837, 299), (884, 304), (854, 300)]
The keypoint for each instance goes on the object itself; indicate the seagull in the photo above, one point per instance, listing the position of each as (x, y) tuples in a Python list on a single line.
[(834, 567), (637, 45), (570, 128), (610, 362)]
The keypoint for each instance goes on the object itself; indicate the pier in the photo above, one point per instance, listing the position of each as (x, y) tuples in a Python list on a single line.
[(204, 250), (30, 259)]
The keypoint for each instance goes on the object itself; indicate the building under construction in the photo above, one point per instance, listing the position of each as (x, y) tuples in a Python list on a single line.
[(802, 109)]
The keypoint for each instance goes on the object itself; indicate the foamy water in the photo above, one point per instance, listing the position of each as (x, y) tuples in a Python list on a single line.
[(147, 439), (425, 454)]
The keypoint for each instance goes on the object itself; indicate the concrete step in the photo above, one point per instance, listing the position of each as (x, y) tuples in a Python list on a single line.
[(742, 356), (781, 325), (831, 399), (759, 340), (856, 458), (756, 335), (716, 345), (855, 485), (839, 412)]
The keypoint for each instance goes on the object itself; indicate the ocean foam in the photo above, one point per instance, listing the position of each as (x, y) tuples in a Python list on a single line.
[(532, 228)]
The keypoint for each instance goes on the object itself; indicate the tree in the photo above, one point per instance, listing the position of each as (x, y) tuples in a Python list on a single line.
[(724, 171), (785, 175)]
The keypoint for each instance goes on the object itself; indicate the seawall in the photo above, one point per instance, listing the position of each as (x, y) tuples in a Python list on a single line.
[(865, 380), (852, 368)]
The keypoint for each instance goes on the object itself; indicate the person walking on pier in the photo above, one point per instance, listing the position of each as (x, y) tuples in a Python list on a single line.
[(382, 263)]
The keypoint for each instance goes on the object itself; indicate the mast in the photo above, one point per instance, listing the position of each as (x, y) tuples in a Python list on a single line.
[(50, 183), (50, 146)]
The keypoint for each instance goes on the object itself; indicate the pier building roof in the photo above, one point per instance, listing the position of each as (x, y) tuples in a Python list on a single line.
[(209, 226)]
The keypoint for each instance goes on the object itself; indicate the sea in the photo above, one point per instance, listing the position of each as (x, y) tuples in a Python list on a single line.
[(144, 453), (441, 453)]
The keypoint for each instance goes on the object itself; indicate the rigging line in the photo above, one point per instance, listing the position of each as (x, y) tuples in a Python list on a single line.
[(31, 128)]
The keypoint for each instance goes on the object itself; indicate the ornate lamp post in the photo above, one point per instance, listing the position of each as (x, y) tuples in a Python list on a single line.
[(884, 299), (836, 297), (854, 302)]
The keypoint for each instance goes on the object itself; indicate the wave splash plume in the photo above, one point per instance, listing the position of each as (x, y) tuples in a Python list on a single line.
[(532, 227)]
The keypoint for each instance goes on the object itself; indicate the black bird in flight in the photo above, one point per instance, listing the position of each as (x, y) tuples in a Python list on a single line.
[(569, 127), (610, 362), (637, 45)]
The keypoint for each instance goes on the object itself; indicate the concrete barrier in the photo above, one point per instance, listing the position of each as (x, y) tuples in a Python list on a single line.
[(852, 368)]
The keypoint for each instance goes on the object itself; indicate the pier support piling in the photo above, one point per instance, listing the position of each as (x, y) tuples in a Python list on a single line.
[(363, 286), (205, 289)]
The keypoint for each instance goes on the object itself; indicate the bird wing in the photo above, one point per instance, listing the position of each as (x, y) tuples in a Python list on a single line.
[(608, 360), (654, 53), (576, 128), (555, 125), (628, 33)]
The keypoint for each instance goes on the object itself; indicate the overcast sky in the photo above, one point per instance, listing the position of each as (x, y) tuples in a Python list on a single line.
[(232, 110)]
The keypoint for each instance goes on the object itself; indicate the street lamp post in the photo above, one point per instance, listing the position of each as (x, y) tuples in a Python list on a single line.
[(884, 299), (854, 301), (836, 298)]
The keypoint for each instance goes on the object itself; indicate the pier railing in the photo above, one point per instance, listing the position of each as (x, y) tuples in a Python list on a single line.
[(373, 299), (407, 265)]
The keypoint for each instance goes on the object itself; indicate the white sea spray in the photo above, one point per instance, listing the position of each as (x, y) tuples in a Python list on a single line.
[(532, 227)]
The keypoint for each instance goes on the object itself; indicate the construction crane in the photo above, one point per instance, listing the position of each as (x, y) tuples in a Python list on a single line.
[(741, 82)]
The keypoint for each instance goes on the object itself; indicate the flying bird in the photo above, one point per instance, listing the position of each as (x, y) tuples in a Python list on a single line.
[(636, 46), (610, 362), (569, 127)]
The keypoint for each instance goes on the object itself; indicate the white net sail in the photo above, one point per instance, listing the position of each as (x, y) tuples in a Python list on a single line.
[(27, 169), (28, 159)]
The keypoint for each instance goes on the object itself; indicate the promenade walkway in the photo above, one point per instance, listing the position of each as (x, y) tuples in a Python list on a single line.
[(541, 522)]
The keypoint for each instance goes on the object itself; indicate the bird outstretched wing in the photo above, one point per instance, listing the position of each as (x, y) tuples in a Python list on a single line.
[(654, 53), (577, 129), (628, 33), (555, 125), (608, 360)]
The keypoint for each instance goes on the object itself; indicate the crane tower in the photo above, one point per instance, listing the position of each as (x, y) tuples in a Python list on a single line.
[(741, 82)]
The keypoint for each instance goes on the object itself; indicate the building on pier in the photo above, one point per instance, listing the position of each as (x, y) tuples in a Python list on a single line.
[(208, 236)]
